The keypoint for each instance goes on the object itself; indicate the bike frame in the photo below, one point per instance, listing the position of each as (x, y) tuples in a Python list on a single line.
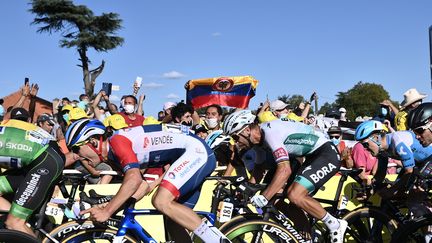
[(130, 225)]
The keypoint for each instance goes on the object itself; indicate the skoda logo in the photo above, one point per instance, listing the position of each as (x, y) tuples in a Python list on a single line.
[(43, 171), (223, 85)]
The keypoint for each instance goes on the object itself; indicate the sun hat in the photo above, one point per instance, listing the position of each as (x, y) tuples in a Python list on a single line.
[(278, 105), (411, 96)]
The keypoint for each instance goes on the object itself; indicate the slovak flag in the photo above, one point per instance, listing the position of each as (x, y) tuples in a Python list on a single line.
[(224, 91)]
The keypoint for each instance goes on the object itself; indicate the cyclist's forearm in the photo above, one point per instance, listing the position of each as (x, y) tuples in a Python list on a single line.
[(282, 173), (130, 185)]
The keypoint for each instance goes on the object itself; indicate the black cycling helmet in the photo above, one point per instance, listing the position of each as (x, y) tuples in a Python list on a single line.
[(420, 116)]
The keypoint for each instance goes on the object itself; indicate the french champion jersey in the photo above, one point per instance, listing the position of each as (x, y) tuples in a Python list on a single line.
[(286, 138), (152, 145), (21, 143), (404, 146)]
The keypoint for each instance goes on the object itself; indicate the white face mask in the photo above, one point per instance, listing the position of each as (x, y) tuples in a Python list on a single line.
[(211, 122), (129, 109), (283, 115)]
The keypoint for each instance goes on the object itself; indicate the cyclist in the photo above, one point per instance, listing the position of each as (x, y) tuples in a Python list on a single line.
[(139, 147), (284, 139), (401, 145), (420, 121), (33, 161)]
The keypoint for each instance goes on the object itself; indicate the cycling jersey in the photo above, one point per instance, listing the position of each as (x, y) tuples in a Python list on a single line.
[(190, 157), (291, 138), (34, 163), (20, 143), (287, 138), (404, 146)]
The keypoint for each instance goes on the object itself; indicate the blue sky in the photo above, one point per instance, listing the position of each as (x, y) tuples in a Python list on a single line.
[(291, 47)]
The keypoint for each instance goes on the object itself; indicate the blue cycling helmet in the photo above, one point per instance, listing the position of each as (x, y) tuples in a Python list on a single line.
[(82, 130), (217, 138), (365, 129)]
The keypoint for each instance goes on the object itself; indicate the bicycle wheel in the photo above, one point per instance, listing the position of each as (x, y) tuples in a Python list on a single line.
[(86, 231), (415, 231), (369, 225), (258, 231), (7, 236)]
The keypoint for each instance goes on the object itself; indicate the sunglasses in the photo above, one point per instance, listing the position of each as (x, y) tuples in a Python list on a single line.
[(236, 135), (420, 130), (335, 136)]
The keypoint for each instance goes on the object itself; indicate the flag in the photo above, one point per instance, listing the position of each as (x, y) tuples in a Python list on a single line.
[(224, 91)]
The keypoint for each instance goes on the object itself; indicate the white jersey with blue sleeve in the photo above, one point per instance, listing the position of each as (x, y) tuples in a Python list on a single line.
[(404, 146)]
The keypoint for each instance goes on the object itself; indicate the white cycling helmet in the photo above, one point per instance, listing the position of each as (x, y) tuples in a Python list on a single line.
[(237, 120), (217, 138)]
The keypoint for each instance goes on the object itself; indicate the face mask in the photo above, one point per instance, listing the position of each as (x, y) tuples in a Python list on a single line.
[(384, 111), (189, 123), (283, 115), (129, 109), (211, 123), (66, 117), (82, 104), (335, 141)]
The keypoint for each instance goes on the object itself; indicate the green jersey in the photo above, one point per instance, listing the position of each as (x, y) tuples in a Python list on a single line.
[(21, 143)]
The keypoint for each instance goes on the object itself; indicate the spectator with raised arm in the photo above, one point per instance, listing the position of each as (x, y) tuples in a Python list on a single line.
[(140, 104)]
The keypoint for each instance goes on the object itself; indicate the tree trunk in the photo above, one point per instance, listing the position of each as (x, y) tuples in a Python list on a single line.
[(89, 76)]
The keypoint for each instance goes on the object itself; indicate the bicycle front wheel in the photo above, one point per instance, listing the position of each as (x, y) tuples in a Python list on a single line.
[(87, 231), (415, 231), (16, 237), (369, 225), (258, 231)]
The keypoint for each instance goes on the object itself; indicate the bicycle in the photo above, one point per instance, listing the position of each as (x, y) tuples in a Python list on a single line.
[(43, 220), (238, 205), (378, 223), (126, 229)]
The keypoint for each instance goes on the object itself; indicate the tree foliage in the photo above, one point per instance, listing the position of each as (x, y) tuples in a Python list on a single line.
[(80, 29), (362, 99), (293, 100), (327, 106)]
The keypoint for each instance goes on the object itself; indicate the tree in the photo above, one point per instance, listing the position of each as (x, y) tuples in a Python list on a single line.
[(293, 100), (362, 99), (80, 29), (327, 106)]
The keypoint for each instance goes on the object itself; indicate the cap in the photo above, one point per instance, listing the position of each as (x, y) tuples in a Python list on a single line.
[(20, 113), (277, 105), (115, 121), (67, 108), (168, 105), (342, 110), (46, 117), (334, 129), (76, 114)]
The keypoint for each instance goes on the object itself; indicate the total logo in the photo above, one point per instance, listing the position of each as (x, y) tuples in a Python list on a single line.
[(171, 175)]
